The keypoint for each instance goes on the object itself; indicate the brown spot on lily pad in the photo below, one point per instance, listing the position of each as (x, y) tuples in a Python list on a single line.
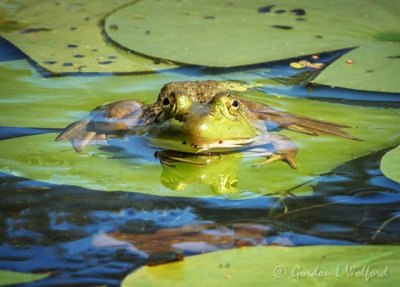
[(369, 71), (79, 56), (68, 64), (35, 30), (112, 57), (265, 9), (280, 11), (72, 46), (394, 57), (283, 27), (300, 19), (209, 17), (318, 36), (114, 27)]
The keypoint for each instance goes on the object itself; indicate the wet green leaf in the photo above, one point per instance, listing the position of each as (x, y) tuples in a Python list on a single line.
[(390, 165), (278, 266), (66, 36), (373, 66), (11, 277), (41, 158)]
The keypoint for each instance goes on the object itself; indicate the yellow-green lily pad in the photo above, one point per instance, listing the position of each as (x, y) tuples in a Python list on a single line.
[(68, 99), (390, 165), (278, 266), (67, 37), (11, 277)]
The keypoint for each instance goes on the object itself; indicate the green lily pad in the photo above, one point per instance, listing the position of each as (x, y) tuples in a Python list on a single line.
[(278, 266), (41, 158), (373, 66), (66, 36), (11, 277), (390, 165), (215, 33)]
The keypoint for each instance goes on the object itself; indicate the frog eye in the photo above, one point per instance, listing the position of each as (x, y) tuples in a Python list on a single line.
[(233, 105), (168, 102)]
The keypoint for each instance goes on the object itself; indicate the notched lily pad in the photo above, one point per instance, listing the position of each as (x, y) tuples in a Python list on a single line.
[(67, 37), (390, 165), (278, 266)]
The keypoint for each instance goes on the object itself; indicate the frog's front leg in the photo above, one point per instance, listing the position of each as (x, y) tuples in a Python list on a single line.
[(282, 149), (104, 121)]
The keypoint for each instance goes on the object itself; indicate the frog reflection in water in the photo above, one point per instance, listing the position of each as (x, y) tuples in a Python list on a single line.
[(201, 117)]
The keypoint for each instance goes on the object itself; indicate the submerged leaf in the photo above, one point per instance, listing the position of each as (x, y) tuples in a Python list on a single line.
[(11, 277), (390, 165), (66, 36)]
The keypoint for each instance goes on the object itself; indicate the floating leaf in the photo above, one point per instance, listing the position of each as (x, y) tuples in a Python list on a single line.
[(390, 165), (374, 66), (278, 266), (215, 33), (66, 36), (40, 157), (11, 277)]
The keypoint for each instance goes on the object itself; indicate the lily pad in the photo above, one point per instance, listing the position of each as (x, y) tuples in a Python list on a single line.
[(278, 266), (66, 36), (11, 277), (390, 165), (40, 157), (373, 66), (215, 33)]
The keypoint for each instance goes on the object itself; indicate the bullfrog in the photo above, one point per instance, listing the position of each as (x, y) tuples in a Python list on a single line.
[(199, 117)]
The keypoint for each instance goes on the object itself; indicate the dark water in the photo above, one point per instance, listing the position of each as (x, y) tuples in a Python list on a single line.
[(72, 232)]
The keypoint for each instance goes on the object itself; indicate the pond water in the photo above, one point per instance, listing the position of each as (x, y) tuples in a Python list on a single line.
[(90, 219)]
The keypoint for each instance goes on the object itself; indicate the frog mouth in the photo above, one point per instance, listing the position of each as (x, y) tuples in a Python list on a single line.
[(225, 145)]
